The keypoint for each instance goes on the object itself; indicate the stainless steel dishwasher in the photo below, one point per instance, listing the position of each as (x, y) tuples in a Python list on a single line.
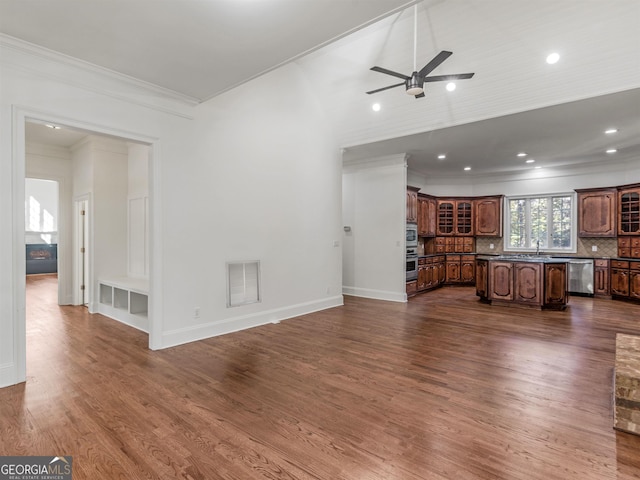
[(581, 276)]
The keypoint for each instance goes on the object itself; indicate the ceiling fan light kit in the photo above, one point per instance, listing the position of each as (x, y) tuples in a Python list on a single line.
[(414, 84)]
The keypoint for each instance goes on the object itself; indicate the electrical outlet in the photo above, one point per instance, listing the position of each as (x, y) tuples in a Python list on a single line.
[(196, 312), (491, 246), (594, 248)]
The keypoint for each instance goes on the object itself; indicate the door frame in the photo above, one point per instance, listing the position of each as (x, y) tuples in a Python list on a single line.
[(20, 115), (82, 236)]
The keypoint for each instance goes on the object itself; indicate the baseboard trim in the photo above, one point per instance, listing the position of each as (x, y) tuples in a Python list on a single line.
[(9, 375), (374, 294), (181, 336)]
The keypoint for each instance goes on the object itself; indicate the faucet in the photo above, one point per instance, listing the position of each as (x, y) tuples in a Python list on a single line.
[(538, 247)]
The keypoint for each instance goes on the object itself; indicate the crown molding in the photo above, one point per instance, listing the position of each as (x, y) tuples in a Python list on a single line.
[(94, 78)]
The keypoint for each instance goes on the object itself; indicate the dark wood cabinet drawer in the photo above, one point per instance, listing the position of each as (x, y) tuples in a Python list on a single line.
[(619, 264), (634, 266), (601, 262)]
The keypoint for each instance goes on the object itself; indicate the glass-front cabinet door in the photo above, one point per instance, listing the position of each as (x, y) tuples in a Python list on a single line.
[(629, 212)]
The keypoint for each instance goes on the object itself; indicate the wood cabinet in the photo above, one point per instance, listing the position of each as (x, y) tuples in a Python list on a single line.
[(453, 269), (426, 277), (528, 283), (460, 269), (597, 212), (634, 280), (412, 288), (481, 279), (455, 245), (629, 247), (412, 204), (625, 279), (442, 271), (467, 269), (488, 216), (464, 217), (555, 285), (429, 273), (619, 278), (426, 216), (454, 217), (629, 210), (500, 282), (601, 278)]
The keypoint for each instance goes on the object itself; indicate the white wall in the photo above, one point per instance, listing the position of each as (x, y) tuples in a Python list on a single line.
[(138, 211), (253, 174), (261, 182), (374, 207)]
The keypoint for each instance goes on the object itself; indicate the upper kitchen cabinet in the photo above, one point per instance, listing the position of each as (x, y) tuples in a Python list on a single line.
[(454, 217), (412, 204), (629, 210), (426, 216), (597, 212), (488, 216)]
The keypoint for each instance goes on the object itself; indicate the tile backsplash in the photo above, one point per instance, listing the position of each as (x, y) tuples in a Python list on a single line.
[(607, 247)]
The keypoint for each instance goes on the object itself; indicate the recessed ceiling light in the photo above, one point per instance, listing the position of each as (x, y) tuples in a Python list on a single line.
[(553, 58), (451, 86), (537, 167), (376, 107), (522, 154), (610, 131), (612, 150), (55, 127), (442, 156), (467, 169), (530, 160)]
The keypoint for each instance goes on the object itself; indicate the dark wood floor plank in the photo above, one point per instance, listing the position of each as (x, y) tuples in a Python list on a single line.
[(442, 387)]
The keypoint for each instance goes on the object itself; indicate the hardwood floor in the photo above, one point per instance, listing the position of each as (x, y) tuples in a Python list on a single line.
[(440, 388)]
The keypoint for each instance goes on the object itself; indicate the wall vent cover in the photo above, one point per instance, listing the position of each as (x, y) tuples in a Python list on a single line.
[(243, 283)]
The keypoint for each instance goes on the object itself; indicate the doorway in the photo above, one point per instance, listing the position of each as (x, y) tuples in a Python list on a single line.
[(14, 371), (41, 226)]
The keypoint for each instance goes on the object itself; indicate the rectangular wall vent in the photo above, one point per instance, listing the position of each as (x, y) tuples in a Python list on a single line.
[(243, 283)]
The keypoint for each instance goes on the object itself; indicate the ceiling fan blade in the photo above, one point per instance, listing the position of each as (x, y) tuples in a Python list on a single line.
[(435, 62), (389, 72), (444, 78), (420, 95), (385, 88)]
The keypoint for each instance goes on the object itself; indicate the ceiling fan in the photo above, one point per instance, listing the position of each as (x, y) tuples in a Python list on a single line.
[(414, 83)]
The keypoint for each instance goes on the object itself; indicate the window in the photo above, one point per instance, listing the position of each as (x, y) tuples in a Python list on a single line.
[(545, 222), (243, 283)]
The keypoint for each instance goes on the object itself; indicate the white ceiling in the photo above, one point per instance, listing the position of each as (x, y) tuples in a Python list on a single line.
[(566, 135), (515, 102), (198, 48)]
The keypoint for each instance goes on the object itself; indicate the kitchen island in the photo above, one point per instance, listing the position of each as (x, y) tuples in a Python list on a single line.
[(532, 281)]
